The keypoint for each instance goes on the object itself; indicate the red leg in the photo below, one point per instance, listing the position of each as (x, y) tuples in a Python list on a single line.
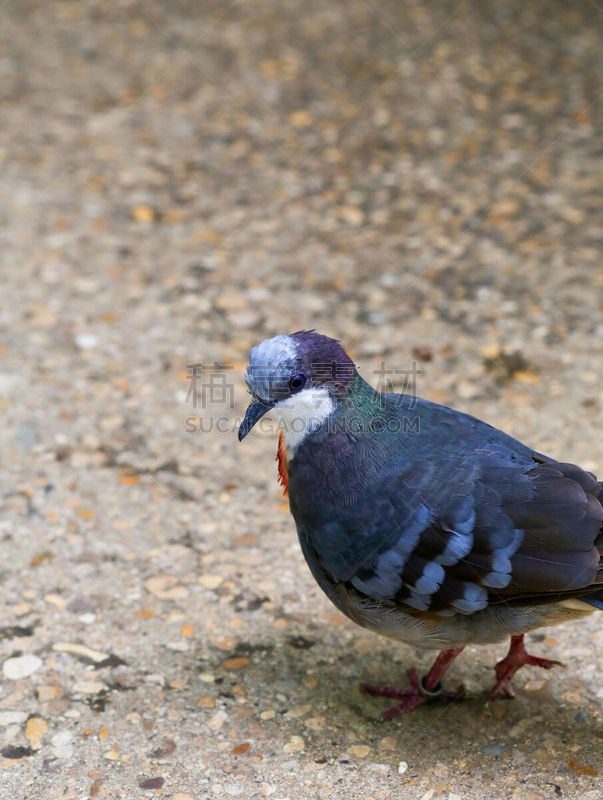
[(427, 688), (516, 658)]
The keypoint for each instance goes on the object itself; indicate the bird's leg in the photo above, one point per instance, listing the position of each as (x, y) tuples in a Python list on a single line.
[(516, 658), (421, 689)]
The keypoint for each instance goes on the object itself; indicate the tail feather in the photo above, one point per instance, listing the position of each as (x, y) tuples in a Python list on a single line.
[(595, 599)]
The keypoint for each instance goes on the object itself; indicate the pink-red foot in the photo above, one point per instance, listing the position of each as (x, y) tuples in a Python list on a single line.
[(412, 697), (516, 657)]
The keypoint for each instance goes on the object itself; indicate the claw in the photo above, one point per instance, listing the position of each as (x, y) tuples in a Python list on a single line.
[(516, 657), (413, 702), (386, 691), (421, 690)]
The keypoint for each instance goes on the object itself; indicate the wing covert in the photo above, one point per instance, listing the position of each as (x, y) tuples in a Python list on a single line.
[(488, 530)]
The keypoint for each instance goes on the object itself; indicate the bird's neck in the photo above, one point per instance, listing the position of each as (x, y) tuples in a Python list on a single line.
[(316, 412), (302, 414), (340, 457)]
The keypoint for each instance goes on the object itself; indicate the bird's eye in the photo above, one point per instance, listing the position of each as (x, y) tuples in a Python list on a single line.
[(297, 381)]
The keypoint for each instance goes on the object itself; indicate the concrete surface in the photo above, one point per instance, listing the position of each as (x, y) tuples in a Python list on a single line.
[(178, 181)]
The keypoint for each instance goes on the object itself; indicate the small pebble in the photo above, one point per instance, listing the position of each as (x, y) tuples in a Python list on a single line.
[(179, 647), (21, 667), (35, 730), (233, 789), (210, 581), (360, 750), (80, 650), (61, 744), (61, 738), (86, 341), (166, 587), (152, 783), (55, 600), (299, 711), (493, 749), (143, 213), (235, 663), (7, 382), (16, 751), (402, 767), (12, 717), (89, 687), (301, 118), (387, 743), (295, 744), (519, 729), (218, 719)]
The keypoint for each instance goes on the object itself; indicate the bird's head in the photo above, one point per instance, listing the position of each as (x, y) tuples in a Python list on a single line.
[(302, 376)]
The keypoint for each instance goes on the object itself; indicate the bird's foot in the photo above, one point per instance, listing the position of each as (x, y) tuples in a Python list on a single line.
[(412, 697), (516, 657)]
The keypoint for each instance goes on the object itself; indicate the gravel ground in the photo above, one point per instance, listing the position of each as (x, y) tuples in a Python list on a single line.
[(178, 181)]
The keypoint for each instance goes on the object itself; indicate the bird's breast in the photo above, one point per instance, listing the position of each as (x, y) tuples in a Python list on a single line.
[(281, 457)]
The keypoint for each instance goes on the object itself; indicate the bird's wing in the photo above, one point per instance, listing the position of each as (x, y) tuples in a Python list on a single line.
[(487, 530)]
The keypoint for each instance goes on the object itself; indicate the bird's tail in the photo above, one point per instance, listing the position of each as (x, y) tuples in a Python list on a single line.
[(595, 599)]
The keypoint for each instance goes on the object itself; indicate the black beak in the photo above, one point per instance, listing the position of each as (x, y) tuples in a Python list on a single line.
[(255, 411)]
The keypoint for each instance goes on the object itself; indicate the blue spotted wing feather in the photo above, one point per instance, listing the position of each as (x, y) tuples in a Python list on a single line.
[(487, 530)]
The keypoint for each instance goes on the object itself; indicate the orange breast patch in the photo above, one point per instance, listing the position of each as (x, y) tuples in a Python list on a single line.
[(281, 457)]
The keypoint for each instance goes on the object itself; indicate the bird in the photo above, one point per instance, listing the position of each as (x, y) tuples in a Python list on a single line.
[(422, 523)]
